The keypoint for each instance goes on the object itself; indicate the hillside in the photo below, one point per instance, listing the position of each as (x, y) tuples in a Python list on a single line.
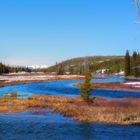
[(111, 64)]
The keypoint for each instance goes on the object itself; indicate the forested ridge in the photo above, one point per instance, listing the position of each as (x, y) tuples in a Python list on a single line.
[(112, 64)]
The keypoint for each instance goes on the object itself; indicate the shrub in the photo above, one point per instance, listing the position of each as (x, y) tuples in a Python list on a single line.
[(10, 95)]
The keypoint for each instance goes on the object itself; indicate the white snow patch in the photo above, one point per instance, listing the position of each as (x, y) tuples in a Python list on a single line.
[(133, 84), (9, 78)]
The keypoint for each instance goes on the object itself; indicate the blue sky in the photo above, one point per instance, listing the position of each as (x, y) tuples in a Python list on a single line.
[(45, 31)]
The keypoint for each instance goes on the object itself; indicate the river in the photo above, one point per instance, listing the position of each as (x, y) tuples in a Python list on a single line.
[(48, 125)]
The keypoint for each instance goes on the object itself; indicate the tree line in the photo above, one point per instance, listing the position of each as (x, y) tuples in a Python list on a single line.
[(132, 64), (12, 69), (112, 64)]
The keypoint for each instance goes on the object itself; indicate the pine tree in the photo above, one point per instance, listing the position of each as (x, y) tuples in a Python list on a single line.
[(127, 64), (85, 88), (138, 62), (60, 70), (135, 64)]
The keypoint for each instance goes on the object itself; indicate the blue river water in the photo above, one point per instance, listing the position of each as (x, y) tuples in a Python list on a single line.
[(65, 89), (47, 125), (52, 126)]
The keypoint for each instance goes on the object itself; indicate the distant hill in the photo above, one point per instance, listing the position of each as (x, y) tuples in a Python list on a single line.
[(110, 64)]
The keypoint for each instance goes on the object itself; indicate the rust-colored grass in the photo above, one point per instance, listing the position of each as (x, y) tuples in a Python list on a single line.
[(122, 112), (113, 87)]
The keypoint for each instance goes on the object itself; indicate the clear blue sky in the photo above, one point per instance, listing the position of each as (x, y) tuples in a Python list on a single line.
[(46, 31)]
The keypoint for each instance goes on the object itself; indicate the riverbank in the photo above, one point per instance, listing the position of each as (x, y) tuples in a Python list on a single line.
[(128, 86), (119, 112), (9, 80)]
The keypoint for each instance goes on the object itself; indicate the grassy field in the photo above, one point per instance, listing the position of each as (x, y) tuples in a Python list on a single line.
[(122, 112)]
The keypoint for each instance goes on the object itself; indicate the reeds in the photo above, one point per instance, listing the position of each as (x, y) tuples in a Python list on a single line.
[(122, 112)]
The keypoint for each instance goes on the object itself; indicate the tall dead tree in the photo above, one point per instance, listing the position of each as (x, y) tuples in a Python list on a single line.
[(137, 8)]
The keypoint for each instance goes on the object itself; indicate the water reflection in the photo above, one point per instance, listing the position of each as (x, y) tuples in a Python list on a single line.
[(86, 131), (52, 126)]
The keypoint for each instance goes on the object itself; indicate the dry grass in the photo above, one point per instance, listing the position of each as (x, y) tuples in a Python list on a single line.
[(115, 86), (112, 86), (123, 112)]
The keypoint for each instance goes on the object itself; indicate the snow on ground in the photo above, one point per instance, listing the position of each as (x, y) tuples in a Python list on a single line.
[(8, 78), (133, 84)]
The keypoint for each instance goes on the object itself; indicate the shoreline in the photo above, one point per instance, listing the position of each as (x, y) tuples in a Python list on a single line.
[(115, 87), (112, 87), (28, 79), (122, 112), (48, 79), (116, 112)]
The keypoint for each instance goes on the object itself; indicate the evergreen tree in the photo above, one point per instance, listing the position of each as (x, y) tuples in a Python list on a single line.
[(60, 70), (138, 66), (85, 88), (3, 69), (135, 64), (28, 70), (136, 69), (127, 64)]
